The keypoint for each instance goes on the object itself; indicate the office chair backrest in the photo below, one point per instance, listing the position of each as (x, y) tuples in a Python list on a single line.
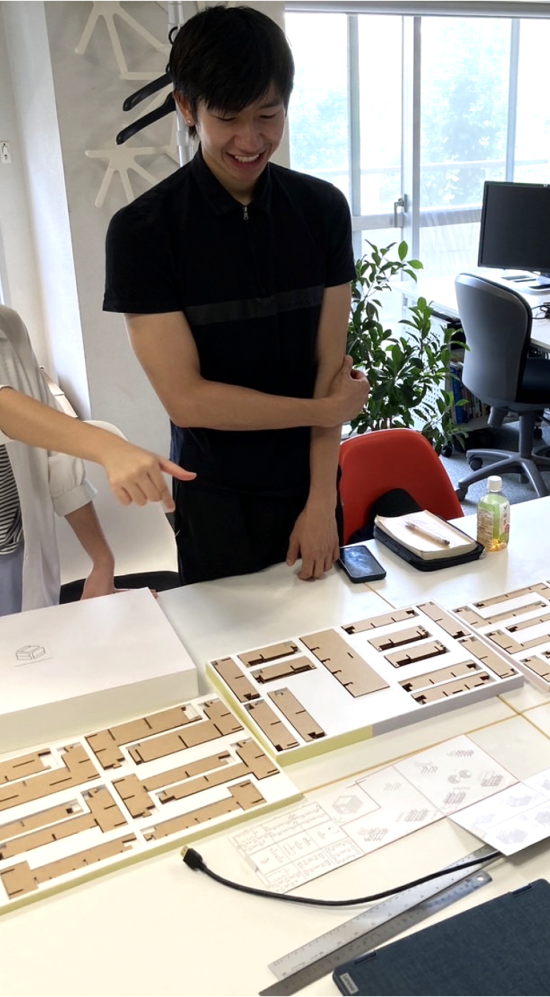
[(378, 462), (497, 325)]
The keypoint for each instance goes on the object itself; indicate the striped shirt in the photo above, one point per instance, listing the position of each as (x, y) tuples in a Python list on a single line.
[(11, 526)]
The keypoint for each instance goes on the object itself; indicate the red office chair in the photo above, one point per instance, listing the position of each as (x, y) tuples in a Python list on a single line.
[(377, 462)]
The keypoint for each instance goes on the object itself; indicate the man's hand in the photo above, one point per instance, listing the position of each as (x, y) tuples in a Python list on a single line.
[(135, 475), (314, 539), (348, 393)]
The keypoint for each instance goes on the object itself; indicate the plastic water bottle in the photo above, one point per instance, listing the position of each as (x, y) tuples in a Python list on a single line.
[(493, 516)]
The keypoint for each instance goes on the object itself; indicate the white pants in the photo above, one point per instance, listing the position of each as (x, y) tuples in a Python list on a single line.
[(11, 581)]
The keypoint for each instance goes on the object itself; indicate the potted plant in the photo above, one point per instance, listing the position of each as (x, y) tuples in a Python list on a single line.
[(410, 371)]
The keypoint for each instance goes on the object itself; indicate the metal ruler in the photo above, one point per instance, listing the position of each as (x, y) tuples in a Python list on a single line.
[(373, 927)]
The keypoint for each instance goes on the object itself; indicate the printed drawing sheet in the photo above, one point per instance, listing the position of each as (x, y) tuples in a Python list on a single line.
[(351, 821), (513, 819)]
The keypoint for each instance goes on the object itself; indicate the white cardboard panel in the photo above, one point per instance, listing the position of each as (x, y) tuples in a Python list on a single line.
[(86, 664)]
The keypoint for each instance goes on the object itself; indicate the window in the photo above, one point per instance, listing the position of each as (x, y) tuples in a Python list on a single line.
[(409, 115)]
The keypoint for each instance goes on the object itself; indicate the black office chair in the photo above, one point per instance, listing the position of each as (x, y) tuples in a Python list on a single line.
[(497, 369)]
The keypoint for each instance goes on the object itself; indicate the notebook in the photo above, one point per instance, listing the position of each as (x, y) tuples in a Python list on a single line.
[(426, 535), (498, 947)]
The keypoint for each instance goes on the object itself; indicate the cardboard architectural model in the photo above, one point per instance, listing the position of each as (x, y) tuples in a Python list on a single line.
[(319, 691), (517, 623), (80, 807)]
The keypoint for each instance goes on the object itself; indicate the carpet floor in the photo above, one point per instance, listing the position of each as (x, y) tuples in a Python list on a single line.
[(506, 438)]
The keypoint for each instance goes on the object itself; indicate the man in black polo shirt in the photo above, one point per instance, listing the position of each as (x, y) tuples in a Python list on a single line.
[(234, 278)]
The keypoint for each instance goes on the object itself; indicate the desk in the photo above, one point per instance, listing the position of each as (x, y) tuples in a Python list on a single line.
[(523, 562), (158, 928), (440, 294)]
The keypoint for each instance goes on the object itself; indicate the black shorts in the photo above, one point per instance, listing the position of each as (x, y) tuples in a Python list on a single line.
[(220, 534)]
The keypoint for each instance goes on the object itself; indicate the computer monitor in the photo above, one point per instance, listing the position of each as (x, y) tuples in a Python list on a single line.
[(515, 229)]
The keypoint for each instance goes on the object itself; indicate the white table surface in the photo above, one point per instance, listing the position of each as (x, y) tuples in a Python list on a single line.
[(525, 561), (158, 928)]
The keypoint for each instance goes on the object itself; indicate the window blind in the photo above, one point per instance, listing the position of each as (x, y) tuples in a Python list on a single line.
[(457, 8)]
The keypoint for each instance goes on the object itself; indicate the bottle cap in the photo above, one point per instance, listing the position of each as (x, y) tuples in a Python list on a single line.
[(494, 483)]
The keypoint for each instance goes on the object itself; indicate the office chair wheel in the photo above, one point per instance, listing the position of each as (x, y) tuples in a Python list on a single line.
[(537, 433), (474, 463), (460, 494)]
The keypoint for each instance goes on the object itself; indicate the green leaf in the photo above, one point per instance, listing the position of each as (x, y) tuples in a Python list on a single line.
[(408, 366)]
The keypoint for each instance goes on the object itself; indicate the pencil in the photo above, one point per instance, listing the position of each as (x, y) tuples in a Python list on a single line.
[(428, 534)]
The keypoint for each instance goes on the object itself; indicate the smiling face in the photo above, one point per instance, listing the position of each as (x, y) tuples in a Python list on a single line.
[(238, 146)]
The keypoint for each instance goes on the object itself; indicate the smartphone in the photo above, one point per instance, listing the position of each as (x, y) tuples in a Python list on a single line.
[(359, 564)]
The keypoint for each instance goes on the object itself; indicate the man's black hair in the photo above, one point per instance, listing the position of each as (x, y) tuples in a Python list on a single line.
[(229, 57)]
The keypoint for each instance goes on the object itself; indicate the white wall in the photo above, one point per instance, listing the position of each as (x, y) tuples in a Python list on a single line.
[(64, 104), (89, 96), (18, 262), (40, 150)]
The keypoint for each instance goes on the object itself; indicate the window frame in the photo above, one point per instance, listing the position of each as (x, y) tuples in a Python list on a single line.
[(408, 216)]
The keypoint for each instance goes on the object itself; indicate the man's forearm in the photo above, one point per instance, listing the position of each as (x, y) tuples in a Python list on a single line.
[(324, 447), (213, 405), (192, 401), (324, 451)]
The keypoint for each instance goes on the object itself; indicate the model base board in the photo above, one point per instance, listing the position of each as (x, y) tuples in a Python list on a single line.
[(78, 808), (319, 691), (517, 623)]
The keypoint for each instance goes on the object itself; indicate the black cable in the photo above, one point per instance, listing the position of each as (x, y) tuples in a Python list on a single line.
[(195, 861), (544, 309)]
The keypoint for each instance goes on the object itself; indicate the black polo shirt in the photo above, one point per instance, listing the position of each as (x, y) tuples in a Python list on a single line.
[(250, 282)]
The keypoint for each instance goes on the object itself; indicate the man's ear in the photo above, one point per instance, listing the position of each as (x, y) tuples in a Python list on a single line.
[(183, 105)]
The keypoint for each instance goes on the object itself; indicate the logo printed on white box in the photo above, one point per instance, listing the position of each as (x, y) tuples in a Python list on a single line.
[(30, 654)]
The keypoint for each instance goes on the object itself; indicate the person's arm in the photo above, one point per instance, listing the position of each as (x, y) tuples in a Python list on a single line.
[(89, 533), (164, 345), (315, 535), (134, 475)]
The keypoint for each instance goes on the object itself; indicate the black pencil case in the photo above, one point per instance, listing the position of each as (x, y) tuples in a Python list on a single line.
[(423, 564)]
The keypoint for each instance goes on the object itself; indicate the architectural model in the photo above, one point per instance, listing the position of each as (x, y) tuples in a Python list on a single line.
[(316, 692), (79, 807), (517, 623)]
